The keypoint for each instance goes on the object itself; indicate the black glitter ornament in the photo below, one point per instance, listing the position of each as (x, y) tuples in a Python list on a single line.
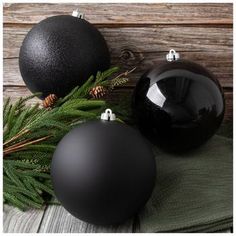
[(178, 105), (60, 53), (103, 172)]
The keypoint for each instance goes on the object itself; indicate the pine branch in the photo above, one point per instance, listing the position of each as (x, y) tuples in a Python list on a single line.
[(12, 199), (31, 133), (22, 145)]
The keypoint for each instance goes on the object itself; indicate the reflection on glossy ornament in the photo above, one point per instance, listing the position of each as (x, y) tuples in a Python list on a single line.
[(178, 105)]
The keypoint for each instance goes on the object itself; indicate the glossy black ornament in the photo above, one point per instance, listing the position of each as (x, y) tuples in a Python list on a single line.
[(60, 53), (103, 172), (178, 105)]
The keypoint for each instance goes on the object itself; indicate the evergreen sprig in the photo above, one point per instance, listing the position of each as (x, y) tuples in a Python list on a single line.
[(31, 133)]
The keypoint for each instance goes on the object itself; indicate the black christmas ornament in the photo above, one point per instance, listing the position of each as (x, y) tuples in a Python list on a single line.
[(178, 105), (60, 53), (103, 172)]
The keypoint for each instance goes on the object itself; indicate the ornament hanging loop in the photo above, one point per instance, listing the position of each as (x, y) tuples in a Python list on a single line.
[(172, 55), (108, 115), (78, 14)]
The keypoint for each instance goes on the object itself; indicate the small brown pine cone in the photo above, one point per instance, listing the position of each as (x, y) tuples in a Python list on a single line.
[(49, 101), (97, 92)]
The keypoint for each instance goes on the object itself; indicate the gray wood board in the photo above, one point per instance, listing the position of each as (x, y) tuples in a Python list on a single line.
[(124, 14), (58, 220), (17, 221)]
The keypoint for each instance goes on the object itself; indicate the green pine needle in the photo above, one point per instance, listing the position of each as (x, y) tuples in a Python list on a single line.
[(31, 134)]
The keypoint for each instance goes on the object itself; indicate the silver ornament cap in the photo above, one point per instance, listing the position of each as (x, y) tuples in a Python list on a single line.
[(108, 115), (78, 14), (172, 55)]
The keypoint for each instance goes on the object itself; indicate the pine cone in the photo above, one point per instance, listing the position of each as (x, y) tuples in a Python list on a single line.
[(49, 101), (97, 92)]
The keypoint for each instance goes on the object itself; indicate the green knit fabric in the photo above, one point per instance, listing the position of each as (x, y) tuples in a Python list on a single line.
[(194, 191)]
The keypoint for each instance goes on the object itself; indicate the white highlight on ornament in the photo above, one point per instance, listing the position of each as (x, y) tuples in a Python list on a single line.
[(172, 55), (108, 115), (155, 95), (78, 14)]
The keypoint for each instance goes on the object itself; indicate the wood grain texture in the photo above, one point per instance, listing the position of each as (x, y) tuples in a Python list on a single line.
[(58, 220), (16, 221), (124, 14), (219, 64), (128, 49), (143, 40)]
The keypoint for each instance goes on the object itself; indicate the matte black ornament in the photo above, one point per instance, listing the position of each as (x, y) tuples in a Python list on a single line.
[(178, 105), (103, 172), (60, 53)]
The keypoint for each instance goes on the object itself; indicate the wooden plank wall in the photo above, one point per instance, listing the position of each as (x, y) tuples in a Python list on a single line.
[(137, 35)]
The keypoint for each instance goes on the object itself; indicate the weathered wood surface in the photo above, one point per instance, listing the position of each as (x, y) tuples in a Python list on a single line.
[(128, 49), (58, 220), (143, 39), (16, 221), (53, 219), (219, 64), (137, 35), (124, 14), (154, 39)]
